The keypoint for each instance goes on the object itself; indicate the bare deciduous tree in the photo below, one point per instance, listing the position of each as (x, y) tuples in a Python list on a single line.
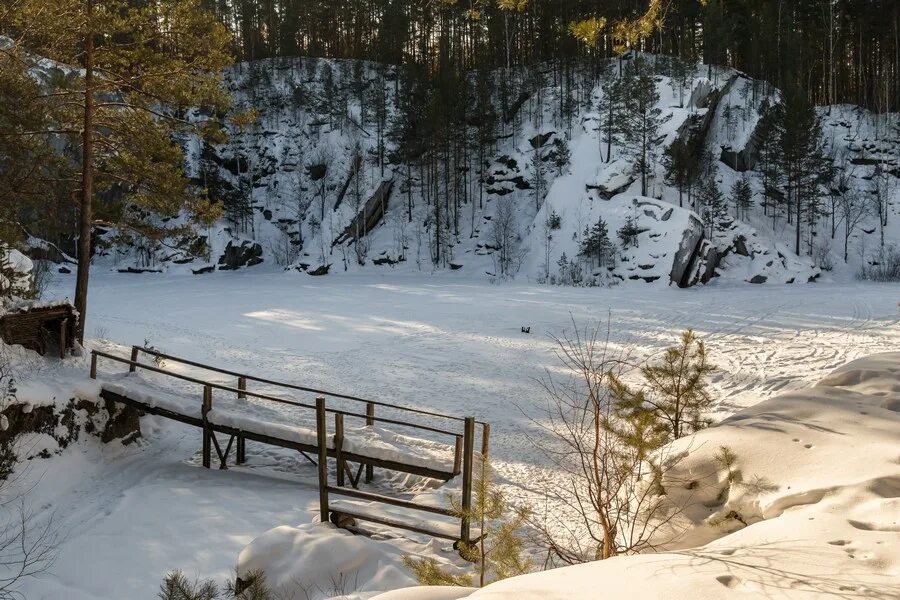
[(27, 545), (608, 487), (504, 237)]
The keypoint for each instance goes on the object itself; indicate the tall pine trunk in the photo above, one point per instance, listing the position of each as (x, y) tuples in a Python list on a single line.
[(87, 179)]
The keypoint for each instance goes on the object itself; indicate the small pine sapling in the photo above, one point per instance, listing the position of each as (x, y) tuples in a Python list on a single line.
[(497, 553), (629, 233), (176, 586), (726, 459), (678, 386)]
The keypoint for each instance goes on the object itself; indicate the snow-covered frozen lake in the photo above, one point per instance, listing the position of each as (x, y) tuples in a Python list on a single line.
[(445, 343)]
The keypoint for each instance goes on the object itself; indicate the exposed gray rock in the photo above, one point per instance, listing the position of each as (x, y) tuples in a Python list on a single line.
[(247, 254), (687, 251)]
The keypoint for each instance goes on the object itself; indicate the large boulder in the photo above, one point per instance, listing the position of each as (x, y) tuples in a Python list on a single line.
[(245, 254), (687, 253)]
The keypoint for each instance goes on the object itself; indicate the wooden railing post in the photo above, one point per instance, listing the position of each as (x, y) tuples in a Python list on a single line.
[(241, 441), (134, 356), (465, 534), (370, 422), (93, 365), (485, 440), (322, 438), (207, 434), (457, 455), (339, 447)]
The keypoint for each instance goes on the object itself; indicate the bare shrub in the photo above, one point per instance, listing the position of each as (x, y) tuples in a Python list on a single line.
[(886, 267), (28, 546), (611, 460)]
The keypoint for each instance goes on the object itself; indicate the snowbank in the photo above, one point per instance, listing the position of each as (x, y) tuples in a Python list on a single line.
[(321, 561), (816, 513)]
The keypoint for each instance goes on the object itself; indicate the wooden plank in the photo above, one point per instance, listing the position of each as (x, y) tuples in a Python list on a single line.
[(207, 433), (370, 421), (362, 516), (391, 465), (485, 439), (292, 386), (352, 493), (338, 447), (150, 410), (468, 460), (322, 466)]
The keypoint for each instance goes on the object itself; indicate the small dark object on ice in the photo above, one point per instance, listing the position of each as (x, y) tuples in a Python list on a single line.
[(526, 329)]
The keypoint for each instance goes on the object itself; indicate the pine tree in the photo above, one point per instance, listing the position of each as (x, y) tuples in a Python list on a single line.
[(673, 400), (641, 116), (611, 110), (561, 155), (142, 65), (742, 197), (596, 246), (681, 166), (805, 167), (562, 266), (769, 151), (678, 386), (713, 205), (629, 233), (176, 586), (497, 554)]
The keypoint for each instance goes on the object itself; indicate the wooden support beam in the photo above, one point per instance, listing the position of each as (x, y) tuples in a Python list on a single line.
[(134, 356), (392, 523), (93, 365), (370, 422), (207, 431), (457, 455), (241, 457), (468, 464), (485, 439), (382, 499), (339, 447), (63, 329), (322, 438), (241, 451)]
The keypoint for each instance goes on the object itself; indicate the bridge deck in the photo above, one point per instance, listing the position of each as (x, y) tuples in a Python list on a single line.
[(241, 415)]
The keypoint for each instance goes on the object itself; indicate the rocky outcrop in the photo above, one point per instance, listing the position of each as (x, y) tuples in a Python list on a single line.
[(64, 425), (370, 214), (244, 254), (684, 266)]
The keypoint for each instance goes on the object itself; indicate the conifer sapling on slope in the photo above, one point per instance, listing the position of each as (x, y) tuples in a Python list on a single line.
[(497, 552), (676, 388)]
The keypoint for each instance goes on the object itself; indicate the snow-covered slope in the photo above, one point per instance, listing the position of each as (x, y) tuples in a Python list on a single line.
[(311, 163), (815, 512)]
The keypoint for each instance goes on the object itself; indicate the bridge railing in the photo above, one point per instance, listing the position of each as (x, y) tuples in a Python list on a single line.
[(464, 441)]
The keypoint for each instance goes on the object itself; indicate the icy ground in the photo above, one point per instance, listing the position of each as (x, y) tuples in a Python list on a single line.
[(132, 513)]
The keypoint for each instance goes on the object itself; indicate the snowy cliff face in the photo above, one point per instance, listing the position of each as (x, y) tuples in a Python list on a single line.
[(312, 188)]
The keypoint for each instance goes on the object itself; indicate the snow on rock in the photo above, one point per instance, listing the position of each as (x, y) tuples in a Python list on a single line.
[(746, 257), (664, 248), (15, 269), (321, 561)]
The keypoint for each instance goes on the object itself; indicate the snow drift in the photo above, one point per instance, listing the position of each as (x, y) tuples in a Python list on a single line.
[(815, 512)]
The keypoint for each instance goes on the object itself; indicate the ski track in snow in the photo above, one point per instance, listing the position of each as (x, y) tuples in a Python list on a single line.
[(452, 345)]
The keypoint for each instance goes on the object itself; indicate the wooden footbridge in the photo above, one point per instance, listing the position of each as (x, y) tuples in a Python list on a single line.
[(223, 410)]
